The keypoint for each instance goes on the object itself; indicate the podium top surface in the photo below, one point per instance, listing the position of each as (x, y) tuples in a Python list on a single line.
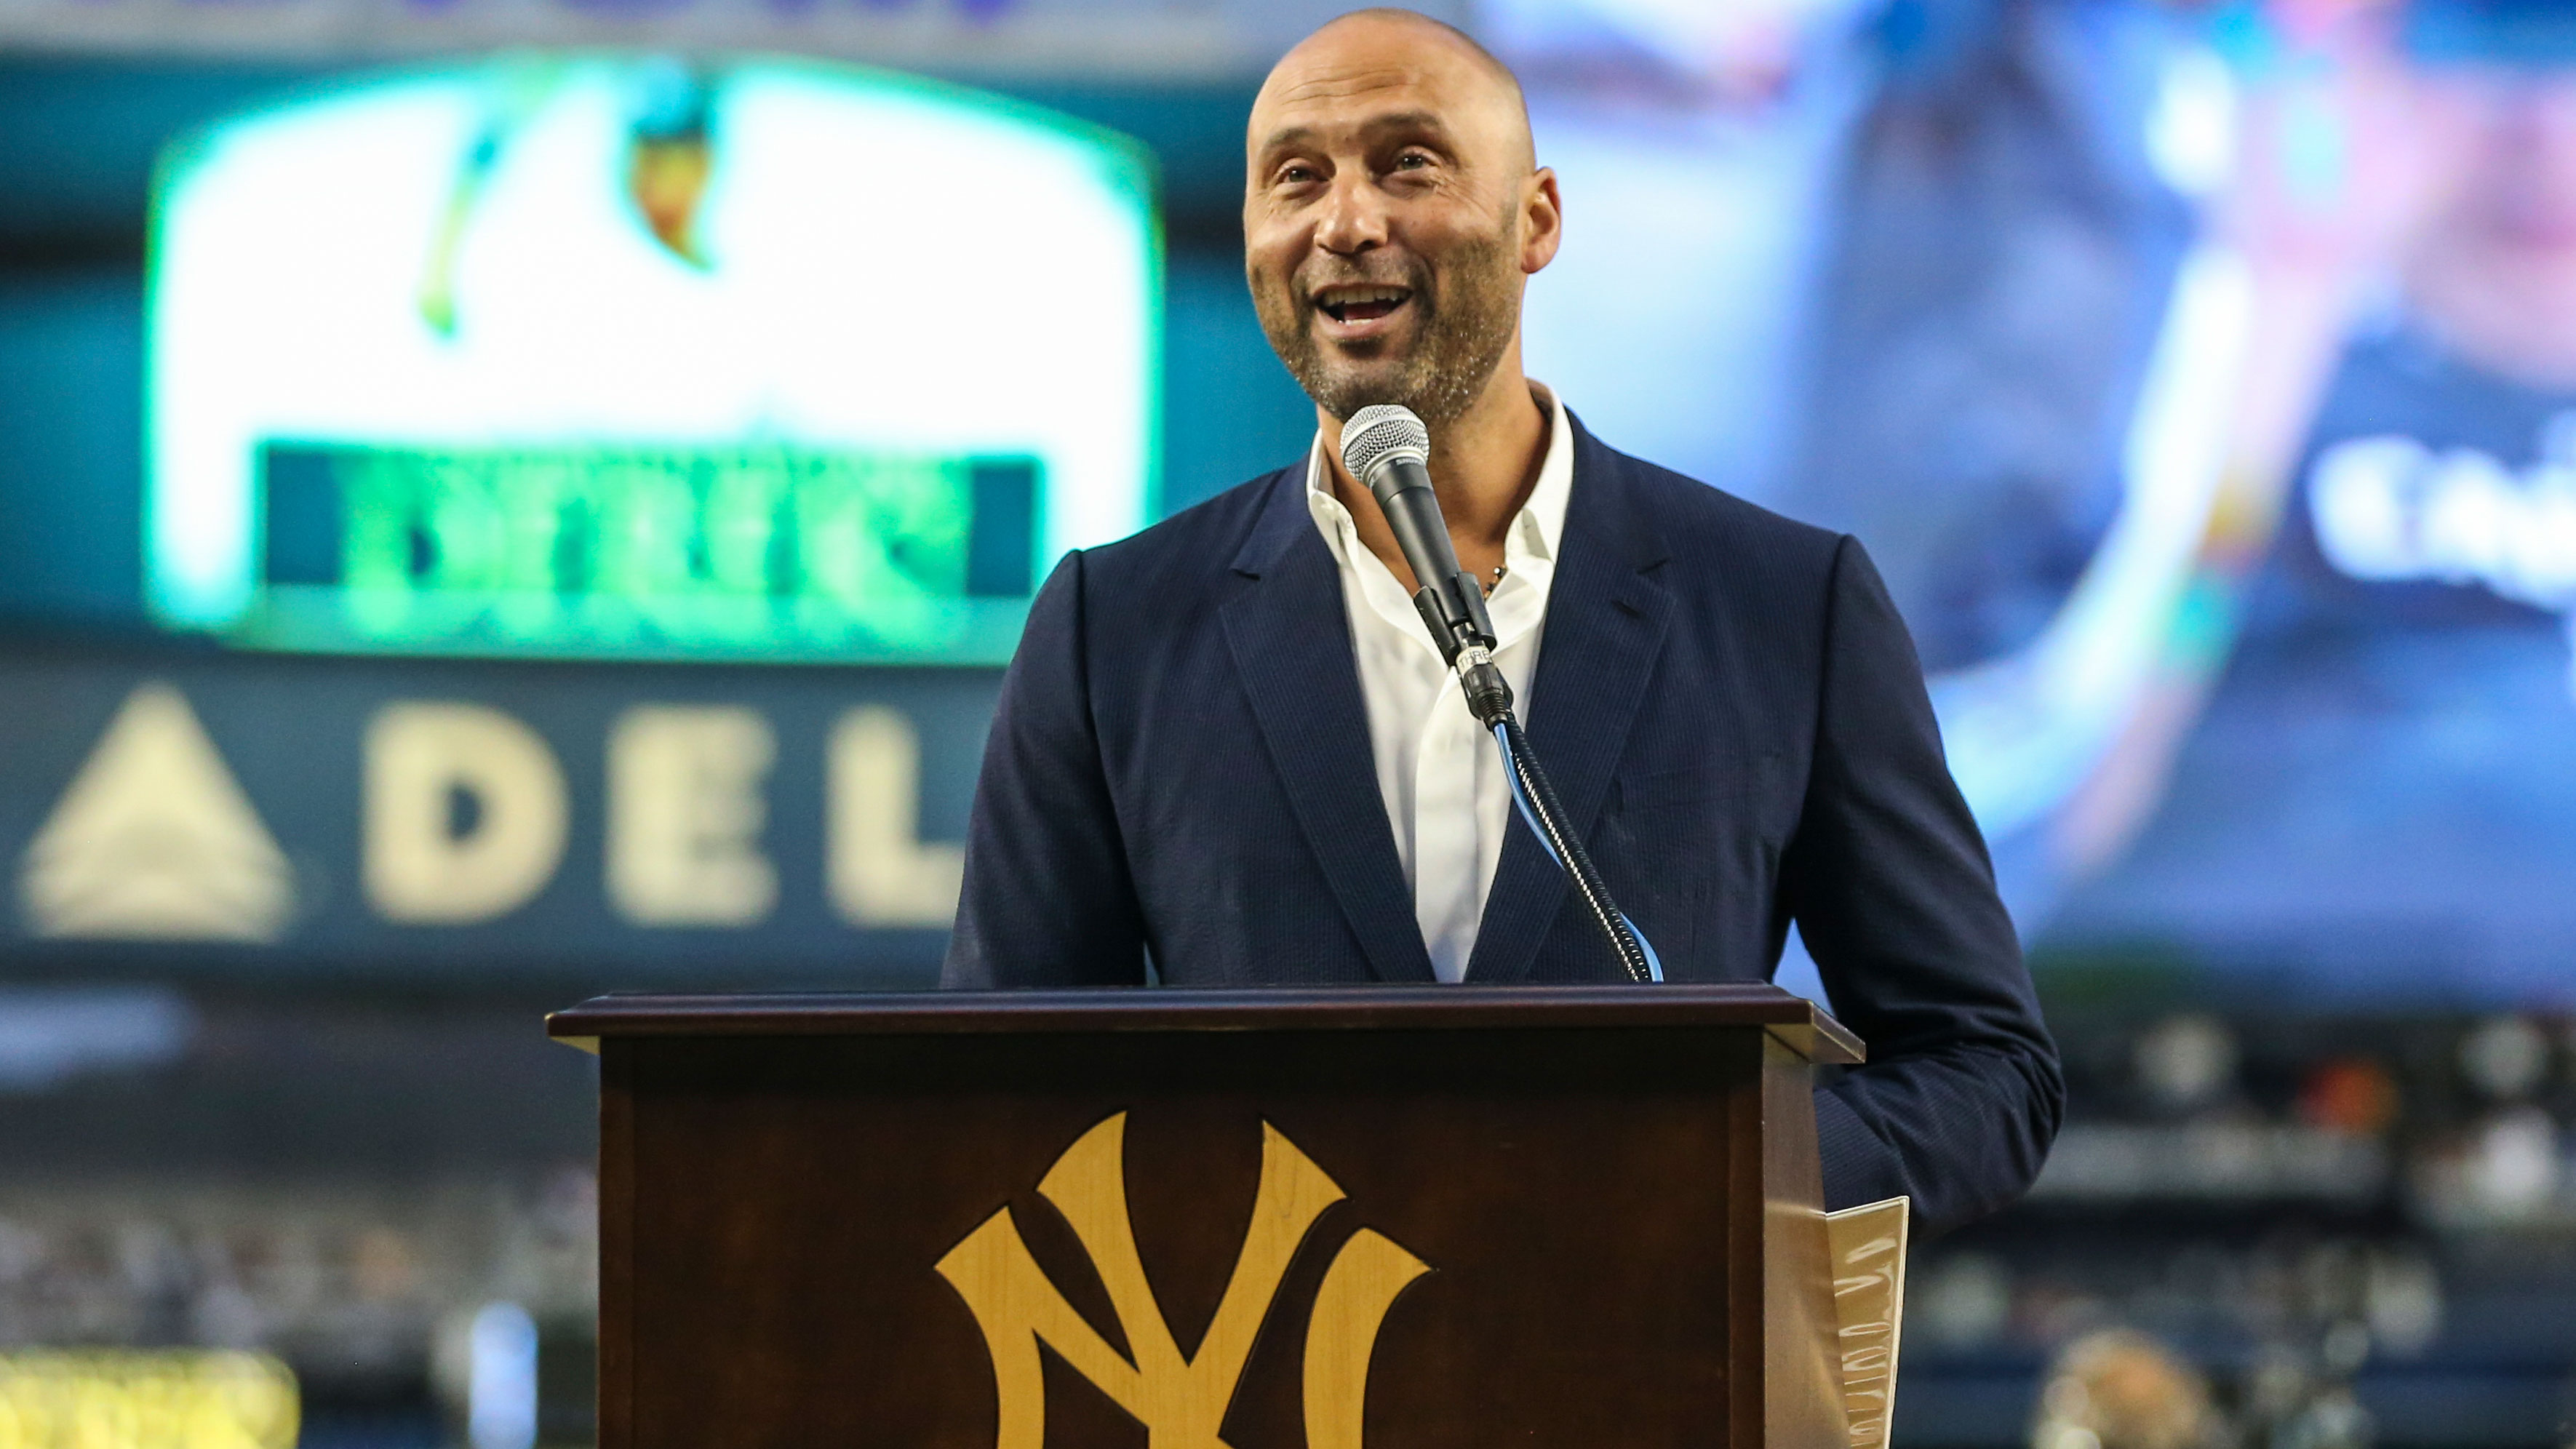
[(1798, 1022)]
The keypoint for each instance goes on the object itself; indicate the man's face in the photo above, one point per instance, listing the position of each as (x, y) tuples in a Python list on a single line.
[(2494, 269), (2518, 192), (1387, 218)]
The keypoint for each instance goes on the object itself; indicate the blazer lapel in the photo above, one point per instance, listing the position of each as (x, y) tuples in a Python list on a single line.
[(1291, 644), (1606, 614)]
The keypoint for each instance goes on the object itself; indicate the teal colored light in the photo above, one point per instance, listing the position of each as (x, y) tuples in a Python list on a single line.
[(607, 356), (732, 552)]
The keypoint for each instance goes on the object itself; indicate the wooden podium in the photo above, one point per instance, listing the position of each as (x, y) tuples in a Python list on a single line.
[(1405, 1217)]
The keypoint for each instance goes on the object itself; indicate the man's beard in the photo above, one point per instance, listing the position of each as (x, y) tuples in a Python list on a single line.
[(1459, 336)]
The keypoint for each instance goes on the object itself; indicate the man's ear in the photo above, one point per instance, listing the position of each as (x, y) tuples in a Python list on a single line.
[(1542, 220)]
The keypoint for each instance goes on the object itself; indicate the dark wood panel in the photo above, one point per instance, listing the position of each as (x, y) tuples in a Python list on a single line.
[(792, 1199), (617, 1188), (1801, 1365), (1800, 1023)]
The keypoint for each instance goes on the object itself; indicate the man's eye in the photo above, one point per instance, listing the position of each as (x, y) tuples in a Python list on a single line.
[(1412, 161), (1296, 175)]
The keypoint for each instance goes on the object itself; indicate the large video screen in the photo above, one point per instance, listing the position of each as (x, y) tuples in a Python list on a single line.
[(594, 357), (2202, 380)]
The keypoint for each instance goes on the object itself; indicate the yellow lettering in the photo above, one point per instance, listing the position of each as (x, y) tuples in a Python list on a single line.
[(1181, 1401)]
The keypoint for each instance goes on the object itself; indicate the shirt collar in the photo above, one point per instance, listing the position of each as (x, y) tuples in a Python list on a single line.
[(1536, 531)]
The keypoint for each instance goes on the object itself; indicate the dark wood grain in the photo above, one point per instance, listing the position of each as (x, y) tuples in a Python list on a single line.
[(1801, 1369), (617, 1190), (1806, 1027), (1605, 1203)]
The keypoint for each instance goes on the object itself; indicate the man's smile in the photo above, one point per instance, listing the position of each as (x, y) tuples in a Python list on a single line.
[(1354, 311)]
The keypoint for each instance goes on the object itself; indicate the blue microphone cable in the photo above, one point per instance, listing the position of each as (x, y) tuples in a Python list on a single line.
[(1387, 448), (1635, 951)]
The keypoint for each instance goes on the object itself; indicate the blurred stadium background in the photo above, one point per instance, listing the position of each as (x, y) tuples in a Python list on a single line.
[(507, 499)]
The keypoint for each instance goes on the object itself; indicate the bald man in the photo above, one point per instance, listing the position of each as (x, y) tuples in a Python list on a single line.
[(1228, 753)]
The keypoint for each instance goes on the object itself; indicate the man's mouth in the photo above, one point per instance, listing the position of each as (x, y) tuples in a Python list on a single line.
[(1361, 304)]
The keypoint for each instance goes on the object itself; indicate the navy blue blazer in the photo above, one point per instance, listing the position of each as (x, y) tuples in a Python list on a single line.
[(1728, 704)]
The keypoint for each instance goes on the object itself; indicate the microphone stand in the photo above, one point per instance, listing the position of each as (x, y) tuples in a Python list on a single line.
[(1489, 698), (1387, 448)]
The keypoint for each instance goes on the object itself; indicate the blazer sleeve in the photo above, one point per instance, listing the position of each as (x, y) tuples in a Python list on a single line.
[(1890, 884), (1048, 900)]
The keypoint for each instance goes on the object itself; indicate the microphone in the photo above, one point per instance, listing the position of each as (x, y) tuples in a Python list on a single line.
[(1388, 450)]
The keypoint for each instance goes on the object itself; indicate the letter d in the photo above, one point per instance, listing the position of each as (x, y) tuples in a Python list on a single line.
[(422, 867)]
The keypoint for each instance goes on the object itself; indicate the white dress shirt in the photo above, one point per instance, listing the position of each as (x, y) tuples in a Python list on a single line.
[(1440, 774)]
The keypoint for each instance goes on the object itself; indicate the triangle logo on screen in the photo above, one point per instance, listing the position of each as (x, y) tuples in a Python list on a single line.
[(155, 841)]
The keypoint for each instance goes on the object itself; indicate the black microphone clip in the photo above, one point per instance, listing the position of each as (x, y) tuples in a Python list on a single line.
[(1388, 450)]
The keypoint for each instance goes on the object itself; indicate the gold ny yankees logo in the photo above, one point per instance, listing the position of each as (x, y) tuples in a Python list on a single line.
[(1181, 1402)]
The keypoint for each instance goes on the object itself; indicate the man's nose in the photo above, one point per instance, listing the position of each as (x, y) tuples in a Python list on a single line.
[(1354, 217)]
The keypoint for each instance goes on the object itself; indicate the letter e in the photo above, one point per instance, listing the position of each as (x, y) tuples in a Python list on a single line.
[(685, 813)]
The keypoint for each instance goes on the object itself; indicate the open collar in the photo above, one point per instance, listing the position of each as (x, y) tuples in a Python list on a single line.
[(1607, 614), (1537, 530)]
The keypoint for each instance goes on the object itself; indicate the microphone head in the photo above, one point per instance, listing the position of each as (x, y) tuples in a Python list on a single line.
[(1378, 435)]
